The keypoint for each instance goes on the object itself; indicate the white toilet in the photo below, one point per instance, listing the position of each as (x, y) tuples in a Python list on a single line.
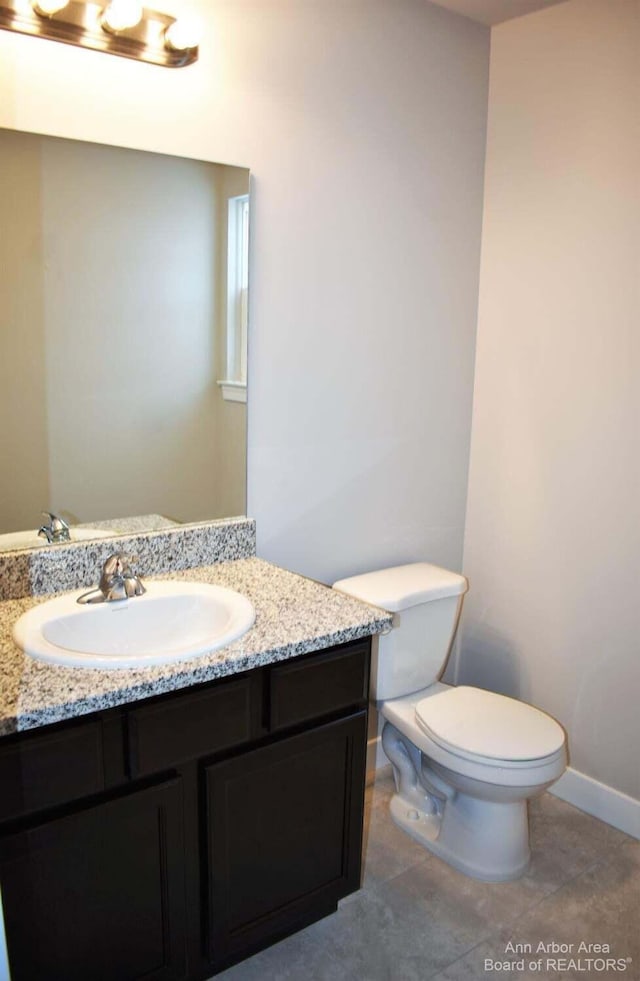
[(465, 760)]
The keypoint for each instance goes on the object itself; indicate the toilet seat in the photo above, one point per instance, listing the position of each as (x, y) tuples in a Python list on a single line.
[(484, 727)]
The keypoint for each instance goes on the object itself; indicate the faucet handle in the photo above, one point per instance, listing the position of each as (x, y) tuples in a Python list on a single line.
[(56, 522), (118, 565), (118, 580), (115, 567), (113, 564)]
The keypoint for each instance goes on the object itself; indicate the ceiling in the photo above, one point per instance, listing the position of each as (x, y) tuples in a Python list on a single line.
[(492, 12)]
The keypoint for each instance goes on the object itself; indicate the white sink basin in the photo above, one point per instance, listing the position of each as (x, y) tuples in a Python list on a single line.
[(172, 621)]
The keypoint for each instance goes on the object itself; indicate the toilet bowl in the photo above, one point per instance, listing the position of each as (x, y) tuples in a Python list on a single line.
[(465, 760)]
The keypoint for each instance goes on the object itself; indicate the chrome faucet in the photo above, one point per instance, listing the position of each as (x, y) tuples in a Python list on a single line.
[(56, 531), (117, 581)]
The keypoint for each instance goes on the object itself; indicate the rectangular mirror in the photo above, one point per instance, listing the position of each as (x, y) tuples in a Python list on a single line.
[(123, 338)]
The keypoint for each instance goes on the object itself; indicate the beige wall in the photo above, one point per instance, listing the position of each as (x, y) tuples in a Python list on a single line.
[(364, 126), (552, 546), (145, 369), (24, 450), (120, 250)]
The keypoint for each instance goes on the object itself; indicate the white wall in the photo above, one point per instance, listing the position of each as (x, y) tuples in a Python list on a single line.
[(364, 125), (552, 546)]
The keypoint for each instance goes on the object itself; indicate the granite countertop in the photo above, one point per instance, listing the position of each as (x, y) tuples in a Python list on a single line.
[(132, 525), (294, 616)]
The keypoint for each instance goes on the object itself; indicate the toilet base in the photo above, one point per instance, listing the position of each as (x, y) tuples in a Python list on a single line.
[(483, 839)]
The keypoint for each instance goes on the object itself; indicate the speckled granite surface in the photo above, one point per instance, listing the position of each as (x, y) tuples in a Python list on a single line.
[(38, 571), (86, 531), (294, 616), (133, 525)]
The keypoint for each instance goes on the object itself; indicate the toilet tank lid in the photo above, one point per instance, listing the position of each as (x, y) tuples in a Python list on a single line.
[(403, 586)]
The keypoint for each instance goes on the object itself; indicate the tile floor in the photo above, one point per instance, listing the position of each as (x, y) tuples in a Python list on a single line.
[(416, 919)]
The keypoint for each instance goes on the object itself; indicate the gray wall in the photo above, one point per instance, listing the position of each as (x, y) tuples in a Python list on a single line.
[(552, 546)]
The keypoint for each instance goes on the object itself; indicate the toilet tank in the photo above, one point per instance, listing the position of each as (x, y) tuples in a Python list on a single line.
[(426, 602)]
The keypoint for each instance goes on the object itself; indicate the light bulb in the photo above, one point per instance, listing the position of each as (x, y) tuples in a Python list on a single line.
[(182, 34), (48, 7), (121, 14)]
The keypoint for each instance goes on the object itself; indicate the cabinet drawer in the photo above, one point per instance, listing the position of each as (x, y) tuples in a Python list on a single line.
[(181, 728), (57, 766), (319, 684)]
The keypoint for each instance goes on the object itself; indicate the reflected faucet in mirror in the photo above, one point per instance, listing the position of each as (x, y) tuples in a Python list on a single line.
[(117, 581), (56, 531)]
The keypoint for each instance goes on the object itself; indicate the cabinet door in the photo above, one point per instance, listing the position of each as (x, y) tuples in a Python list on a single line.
[(284, 835), (98, 895)]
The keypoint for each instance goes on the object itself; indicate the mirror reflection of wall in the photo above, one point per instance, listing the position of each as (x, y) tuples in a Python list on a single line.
[(117, 324)]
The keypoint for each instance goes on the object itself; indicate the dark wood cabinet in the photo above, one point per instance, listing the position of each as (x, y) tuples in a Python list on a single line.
[(171, 838), (99, 892), (284, 837)]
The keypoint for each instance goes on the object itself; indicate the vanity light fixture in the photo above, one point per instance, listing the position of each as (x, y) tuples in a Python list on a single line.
[(48, 7), (182, 34), (120, 27), (119, 15)]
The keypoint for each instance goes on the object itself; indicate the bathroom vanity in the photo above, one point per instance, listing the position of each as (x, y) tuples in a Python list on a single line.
[(166, 823), (209, 822)]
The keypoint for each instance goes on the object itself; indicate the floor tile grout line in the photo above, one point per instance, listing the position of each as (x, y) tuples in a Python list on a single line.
[(428, 859), (464, 954), (495, 934)]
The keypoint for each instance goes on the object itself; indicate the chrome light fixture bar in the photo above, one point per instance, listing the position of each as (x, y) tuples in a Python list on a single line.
[(121, 27)]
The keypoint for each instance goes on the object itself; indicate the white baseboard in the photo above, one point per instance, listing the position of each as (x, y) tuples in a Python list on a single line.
[(599, 799), (576, 788)]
